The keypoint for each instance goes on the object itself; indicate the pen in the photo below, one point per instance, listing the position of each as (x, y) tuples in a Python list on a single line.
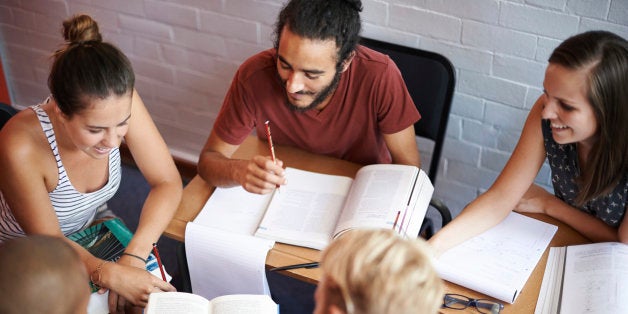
[(161, 266), (270, 144), (396, 219), (295, 266)]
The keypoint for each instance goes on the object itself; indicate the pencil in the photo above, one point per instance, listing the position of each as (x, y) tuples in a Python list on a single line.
[(270, 144), (161, 266)]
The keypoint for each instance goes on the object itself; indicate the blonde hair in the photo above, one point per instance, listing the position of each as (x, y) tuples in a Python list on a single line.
[(376, 271)]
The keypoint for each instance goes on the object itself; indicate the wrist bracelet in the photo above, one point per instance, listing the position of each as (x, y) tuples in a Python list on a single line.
[(133, 255), (97, 271)]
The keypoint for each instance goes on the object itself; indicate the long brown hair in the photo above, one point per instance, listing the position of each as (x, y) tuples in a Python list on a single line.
[(606, 54), (86, 67)]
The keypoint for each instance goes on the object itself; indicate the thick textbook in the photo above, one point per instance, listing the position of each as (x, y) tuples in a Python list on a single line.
[(586, 278), (313, 208), (182, 302), (499, 261)]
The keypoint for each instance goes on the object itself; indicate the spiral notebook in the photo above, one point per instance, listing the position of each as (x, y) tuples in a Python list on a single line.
[(107, 240)]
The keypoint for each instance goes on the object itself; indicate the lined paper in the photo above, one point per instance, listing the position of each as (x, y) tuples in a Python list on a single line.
[(222, 263)]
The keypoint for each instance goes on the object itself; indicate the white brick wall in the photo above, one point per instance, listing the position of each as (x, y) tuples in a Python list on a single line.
[(185, 53)]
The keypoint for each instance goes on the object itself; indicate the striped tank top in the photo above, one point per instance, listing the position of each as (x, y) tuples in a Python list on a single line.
[(74, 210)]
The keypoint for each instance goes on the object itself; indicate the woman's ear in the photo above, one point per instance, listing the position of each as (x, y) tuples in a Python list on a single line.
[(62, 116)]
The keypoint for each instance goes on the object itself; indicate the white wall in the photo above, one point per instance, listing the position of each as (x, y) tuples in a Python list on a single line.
[(185, 53)]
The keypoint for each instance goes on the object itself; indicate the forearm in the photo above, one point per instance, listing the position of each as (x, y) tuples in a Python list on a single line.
[(479, 216), (218, 170), (157, 212), (589, 226)]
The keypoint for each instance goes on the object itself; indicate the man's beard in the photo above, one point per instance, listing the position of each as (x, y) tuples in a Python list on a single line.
[(320, 96)]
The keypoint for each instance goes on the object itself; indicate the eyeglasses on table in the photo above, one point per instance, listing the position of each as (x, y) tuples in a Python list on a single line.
[(461, 302)]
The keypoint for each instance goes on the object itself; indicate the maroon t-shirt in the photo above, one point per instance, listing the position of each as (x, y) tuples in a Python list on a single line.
[(371, 100)]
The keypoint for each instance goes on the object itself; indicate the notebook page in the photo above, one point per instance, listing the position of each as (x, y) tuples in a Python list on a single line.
[(499, 261), (234, 210), (222, 263)]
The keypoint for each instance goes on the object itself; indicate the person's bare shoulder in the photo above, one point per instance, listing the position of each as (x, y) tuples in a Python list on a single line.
[(23, 142)]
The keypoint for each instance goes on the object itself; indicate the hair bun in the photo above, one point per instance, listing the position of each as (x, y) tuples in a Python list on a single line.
[(81, 28), (355, 4)]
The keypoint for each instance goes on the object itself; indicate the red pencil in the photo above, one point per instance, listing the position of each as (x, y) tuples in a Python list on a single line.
[(270, 144), (161, 266)]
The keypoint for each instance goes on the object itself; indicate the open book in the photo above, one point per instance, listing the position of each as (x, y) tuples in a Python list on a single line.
[(313, 208), (499, 261), (586, 278), (182, 302)]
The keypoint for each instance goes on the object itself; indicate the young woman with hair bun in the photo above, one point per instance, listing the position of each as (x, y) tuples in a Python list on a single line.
[(61, 162)]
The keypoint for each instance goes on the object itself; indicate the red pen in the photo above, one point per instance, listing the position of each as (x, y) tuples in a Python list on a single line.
[(161, 266), (270, 144)]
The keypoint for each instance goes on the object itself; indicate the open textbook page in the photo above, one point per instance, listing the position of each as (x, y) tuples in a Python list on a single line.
[(314, 207), (380, 196), (499, 261), (586, 278), (181, 302), (383, 194), (304, 212)]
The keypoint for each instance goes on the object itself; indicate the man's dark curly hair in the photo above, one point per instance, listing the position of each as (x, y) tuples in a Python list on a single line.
[(323, 20)]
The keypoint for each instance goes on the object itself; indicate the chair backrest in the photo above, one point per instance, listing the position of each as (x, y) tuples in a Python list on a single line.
[(6, 112), (430, 78)]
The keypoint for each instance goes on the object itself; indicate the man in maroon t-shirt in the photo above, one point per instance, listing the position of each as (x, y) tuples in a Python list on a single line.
[(321, 92)]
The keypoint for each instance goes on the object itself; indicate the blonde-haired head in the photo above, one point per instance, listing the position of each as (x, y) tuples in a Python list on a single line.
[(376, 271)]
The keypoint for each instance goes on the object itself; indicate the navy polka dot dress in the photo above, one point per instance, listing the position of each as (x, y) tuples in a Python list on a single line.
[(563, 161)]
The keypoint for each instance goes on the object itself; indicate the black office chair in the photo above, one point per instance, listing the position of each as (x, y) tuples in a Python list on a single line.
[(430, 79), (6, 112)]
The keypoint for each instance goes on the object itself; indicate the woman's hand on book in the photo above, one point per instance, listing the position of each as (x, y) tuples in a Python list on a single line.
[(130, 284)]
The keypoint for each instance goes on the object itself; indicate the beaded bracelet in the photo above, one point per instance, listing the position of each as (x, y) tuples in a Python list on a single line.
[(97, 271), (133, 255)]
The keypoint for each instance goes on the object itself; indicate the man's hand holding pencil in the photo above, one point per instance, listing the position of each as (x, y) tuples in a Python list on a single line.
[(264, 174)]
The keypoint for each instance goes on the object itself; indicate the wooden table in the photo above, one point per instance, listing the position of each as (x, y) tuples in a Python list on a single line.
[(198, 191)]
